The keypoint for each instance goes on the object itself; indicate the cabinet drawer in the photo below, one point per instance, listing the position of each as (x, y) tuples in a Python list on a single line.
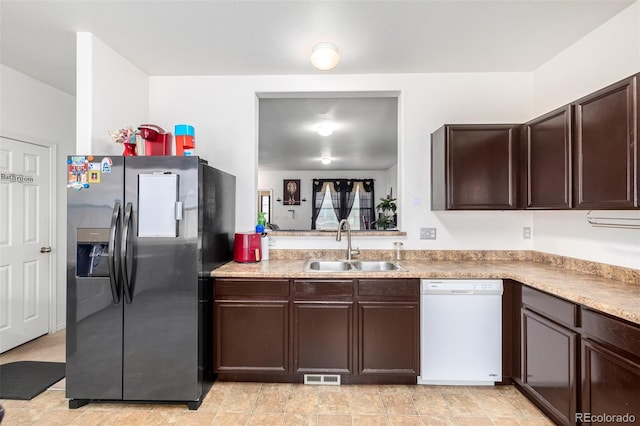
[(612, 331), (251, 289), (325, 289), (406, 289), (550, 306)]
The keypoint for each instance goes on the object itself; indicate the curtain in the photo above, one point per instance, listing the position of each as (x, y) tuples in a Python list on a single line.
[(343, 195), (349, 196), (367, 209), (317, 198), (336, 198)]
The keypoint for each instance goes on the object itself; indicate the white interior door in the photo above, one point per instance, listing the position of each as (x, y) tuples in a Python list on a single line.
[(25, 187)]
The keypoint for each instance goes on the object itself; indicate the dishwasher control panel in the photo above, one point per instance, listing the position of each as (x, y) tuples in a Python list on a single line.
[(457, 286)]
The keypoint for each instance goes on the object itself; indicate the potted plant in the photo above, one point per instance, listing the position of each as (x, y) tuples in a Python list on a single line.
[(386, 213)]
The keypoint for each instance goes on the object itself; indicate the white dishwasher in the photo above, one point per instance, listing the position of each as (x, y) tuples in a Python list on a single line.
[(460, 332)]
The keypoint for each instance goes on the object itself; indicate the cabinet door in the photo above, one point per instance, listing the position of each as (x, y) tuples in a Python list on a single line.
[(549, 366), (251, 336), (548, 160), (610, 384), (389, 338), (323, 337), (610, 367), (606, 148), (480, 166)]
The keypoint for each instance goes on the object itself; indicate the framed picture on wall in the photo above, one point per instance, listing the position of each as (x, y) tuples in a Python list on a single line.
[(291, 192)]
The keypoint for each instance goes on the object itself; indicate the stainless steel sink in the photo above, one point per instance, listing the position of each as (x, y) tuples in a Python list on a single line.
[(316, 265), (327, 266), (375, 265)]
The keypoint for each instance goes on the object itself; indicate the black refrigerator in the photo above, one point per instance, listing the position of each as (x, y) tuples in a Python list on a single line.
[(143, 234)]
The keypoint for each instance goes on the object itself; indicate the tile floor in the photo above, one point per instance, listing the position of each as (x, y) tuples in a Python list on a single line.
[(229, 403)]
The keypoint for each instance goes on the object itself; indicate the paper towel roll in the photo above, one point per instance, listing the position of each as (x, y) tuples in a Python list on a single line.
[(265, 247)]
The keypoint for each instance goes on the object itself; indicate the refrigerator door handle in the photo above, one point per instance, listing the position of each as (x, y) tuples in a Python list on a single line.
[(125, 254), (114, 251)]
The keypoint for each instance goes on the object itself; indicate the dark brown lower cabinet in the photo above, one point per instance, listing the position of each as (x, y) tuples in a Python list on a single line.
[(323, 337), (365, 330), (388, 327), (578, 365), (251, 326), (323, 326), (252, 336), (549, 356), (387, 338), (610, 370)]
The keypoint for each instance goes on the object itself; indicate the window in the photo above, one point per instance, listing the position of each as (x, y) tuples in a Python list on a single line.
[(337, 199)]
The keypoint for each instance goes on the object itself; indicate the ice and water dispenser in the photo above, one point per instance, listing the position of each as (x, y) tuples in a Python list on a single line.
[(92, 252)]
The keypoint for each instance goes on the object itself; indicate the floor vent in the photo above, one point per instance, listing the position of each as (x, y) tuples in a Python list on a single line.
[(322, 379)]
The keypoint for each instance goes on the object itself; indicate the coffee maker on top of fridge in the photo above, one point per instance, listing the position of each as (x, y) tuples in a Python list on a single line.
[(156, 140)]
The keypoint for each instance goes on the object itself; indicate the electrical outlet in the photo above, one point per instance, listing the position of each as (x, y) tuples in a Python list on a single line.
[(526, 232), (427, 233)]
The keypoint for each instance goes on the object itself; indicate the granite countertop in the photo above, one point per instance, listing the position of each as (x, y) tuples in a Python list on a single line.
[(617, 298)]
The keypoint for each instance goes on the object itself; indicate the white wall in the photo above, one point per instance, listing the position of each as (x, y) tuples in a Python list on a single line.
[(608, 54), (112, 94), (301, 218), (34, 112), (223, 110)]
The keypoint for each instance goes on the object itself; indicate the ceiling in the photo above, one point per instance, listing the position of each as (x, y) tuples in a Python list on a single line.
[(266, 37)]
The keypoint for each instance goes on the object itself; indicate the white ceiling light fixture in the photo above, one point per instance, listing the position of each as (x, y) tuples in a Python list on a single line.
[(325, 129), (325, 56), (325, 160)]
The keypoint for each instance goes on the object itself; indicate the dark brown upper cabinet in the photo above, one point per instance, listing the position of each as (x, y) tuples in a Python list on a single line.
[(606, 148), (548, 160), (475, 167)]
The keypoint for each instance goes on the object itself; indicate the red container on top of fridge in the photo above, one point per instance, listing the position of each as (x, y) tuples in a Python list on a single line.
[(156, 140), (185, 139)]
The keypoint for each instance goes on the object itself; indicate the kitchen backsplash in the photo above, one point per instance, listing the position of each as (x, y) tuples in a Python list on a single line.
[(613, 272)]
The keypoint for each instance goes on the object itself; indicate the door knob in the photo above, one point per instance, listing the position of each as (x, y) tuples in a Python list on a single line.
[(45, 249)]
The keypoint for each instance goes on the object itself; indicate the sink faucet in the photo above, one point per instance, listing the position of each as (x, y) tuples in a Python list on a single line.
[(350, 252)]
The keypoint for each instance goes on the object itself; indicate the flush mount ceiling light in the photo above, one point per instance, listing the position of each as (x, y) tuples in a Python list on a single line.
[(325, 129), (325, 160), (324, 56)]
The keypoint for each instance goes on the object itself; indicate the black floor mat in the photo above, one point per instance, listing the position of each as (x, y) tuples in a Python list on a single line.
[(27, 379)]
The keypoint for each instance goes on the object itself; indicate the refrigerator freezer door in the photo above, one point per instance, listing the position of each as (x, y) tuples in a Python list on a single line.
[(94, 316)]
